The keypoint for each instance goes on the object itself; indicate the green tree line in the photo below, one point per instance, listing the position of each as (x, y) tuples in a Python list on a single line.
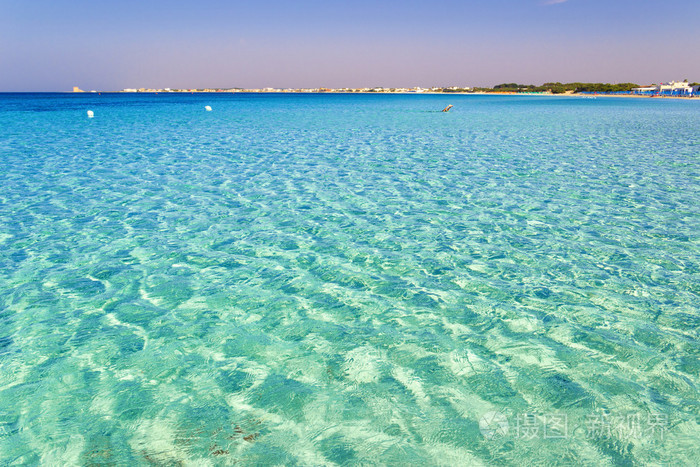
[(559, 88)]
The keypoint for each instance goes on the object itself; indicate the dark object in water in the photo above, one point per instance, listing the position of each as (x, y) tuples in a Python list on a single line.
[(447, 109)]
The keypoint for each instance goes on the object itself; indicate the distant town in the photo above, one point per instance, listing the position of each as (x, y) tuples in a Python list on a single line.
[(672, 88)]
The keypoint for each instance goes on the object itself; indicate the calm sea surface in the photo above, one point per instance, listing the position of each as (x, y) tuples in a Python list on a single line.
[(349, 279)]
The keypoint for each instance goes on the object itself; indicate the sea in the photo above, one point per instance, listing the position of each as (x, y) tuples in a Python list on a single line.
[(339, 279)]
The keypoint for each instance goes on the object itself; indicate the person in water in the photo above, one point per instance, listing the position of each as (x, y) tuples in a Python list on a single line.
[(447, 109)]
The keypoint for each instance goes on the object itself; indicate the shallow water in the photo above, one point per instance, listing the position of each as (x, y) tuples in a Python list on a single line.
[(349, 279)]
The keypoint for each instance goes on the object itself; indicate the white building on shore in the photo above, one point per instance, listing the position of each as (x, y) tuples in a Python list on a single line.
[(672, 88)]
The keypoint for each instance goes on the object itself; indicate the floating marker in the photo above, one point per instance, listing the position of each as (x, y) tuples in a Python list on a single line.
[(208, 108), (91, 114)]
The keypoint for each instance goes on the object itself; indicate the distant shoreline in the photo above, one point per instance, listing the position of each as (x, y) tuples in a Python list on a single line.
[(672, 89), (432, 93)]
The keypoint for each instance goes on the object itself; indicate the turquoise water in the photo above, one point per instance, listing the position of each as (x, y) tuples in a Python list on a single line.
[(349, 279)]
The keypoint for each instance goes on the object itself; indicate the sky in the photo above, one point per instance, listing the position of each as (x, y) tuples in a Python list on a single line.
[(53, 45)]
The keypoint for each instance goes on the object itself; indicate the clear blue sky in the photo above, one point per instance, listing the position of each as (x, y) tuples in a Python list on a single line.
[(52, 45)]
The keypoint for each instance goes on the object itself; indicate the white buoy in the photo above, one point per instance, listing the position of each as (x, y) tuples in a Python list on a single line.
[(91, 114), (208, 108)]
